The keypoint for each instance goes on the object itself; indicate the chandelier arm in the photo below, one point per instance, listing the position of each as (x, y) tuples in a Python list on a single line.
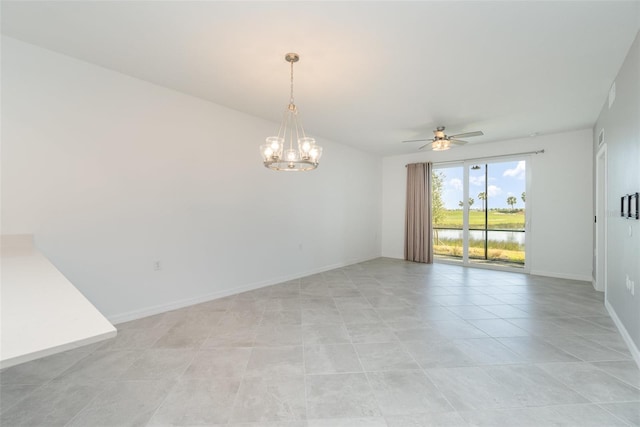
[(283, 125), (299, 123), (291, 124), (297, 120), (286, 130), (285, 121)]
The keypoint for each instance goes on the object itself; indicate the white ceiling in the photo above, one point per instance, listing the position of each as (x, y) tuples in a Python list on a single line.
[(371, 73)]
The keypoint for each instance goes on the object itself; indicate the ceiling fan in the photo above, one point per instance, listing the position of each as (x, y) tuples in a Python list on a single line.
[(441, 141)]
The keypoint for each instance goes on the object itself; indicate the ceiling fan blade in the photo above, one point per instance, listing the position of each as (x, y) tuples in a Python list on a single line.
[(457, 141), (416, 140), (468, 134), (425, 146)]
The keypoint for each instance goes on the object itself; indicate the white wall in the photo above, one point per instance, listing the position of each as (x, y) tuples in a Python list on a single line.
[(621, 124), (111, 173), (559, 201)]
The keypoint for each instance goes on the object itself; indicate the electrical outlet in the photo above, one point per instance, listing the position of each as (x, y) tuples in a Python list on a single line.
[(156, 266)]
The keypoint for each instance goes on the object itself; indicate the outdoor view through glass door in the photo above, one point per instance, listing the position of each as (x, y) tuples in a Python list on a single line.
[(489, 226)]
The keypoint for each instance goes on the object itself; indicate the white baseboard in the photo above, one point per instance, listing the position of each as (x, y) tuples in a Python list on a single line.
[(623, 331), (174, 305), (583, 278)]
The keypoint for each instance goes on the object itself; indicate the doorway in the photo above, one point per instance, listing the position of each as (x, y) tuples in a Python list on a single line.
[(480, 213), (600, 219)]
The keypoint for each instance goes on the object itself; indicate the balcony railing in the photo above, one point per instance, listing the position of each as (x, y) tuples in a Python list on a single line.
[(506, 246)]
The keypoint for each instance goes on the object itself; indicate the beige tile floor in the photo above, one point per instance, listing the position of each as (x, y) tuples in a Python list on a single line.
[(380, 343)]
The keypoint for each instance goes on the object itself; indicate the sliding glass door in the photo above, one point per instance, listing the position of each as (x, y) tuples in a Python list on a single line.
[(479, 213), (447, 214)]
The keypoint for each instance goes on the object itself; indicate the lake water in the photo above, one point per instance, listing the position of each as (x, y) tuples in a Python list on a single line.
[(500, 236)]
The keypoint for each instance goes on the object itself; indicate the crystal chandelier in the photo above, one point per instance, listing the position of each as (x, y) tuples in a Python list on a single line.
[(306, 154)]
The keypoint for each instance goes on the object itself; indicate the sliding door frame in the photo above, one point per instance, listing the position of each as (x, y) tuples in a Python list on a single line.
[(528, 241)]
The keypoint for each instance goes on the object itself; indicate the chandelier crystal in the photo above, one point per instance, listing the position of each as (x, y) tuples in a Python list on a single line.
[(280, 153)]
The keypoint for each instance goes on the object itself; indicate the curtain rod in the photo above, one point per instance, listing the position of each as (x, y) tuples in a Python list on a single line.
[(488, 157)]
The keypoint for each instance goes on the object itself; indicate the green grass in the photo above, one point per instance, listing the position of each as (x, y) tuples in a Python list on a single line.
[(516, 257), (505, 219), (496, 250), (500, 220), (479, 243)]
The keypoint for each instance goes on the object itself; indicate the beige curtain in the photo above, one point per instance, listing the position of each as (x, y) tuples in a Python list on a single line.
[(418, 229)]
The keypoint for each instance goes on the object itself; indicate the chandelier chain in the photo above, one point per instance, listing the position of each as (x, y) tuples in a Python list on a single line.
[(291, 96)]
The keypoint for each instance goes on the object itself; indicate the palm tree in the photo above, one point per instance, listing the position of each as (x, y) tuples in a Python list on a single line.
[(483, 196), (511, 200), (471, 201), (523, 196)]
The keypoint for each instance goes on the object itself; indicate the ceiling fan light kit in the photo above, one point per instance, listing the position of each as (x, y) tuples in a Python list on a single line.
[(440, 145), (306, 154), (440, 140)]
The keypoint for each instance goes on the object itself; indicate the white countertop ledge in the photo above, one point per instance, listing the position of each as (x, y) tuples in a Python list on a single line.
[(42, 313)]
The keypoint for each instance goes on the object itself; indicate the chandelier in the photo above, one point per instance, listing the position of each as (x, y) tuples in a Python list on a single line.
[(304, 155)]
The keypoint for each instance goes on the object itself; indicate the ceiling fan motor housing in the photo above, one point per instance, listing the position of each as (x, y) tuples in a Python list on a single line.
[(439, 133)]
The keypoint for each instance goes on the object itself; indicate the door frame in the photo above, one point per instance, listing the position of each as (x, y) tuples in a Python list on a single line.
[(526, 268), (466, 164), (601, 227)]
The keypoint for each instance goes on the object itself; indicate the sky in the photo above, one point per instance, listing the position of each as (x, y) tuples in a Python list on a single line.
[(505, 179)]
